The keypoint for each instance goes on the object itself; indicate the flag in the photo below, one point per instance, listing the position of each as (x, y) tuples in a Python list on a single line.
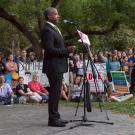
[(83, 38)]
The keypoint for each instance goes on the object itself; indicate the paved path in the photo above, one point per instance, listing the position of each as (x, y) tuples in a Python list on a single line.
[(32, 120)]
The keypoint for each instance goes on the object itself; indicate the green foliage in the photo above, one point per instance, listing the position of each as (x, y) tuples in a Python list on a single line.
[(27, 11), (94, 15), (121, 39), (99, 15), (5, 3)]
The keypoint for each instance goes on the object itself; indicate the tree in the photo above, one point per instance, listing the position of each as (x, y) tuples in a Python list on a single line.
[(100, 19)]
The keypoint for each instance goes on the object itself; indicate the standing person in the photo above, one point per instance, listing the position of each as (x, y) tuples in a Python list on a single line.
[(17, 56), (24, 57), (131, 64), (2, 66), (54, 63)]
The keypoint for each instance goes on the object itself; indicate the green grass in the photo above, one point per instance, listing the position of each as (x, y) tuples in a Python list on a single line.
[(70, 104), (126, 107)]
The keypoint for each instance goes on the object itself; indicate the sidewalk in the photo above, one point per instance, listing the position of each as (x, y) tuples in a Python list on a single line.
[(32, 120)]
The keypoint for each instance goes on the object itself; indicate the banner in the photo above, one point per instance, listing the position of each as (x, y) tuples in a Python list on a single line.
[(97, 85), (27, 70)]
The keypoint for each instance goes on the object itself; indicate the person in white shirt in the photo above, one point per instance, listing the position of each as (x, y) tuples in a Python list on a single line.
[(6, 92)]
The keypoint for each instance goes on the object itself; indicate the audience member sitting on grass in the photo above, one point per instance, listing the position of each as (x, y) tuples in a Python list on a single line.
[(75, 89), (37, 87), (64, 91), (6, 92), (24, 94)]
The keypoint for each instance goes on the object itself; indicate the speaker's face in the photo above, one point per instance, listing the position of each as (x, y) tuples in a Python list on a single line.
[(54, 16)]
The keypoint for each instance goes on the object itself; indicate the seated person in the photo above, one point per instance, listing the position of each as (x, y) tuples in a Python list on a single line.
[(64, 90), (108, 87), (75, 89), (37, 87), (24, 94), (6, 92)]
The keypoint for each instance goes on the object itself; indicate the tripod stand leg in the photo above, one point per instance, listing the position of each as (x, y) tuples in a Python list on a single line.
[(84, 122), (88, 100), (111, 123), (79, 100), (81, 124)]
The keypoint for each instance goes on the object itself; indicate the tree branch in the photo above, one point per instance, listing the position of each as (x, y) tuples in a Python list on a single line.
[(21, 27), (103, 32), (91, 32), (54, 3)]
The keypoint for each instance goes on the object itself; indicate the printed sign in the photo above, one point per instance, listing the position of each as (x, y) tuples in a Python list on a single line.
[(96, 77), (27, 70), (120, 81)]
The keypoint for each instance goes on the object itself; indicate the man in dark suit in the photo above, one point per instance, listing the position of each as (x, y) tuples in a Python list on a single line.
[(54, 63)]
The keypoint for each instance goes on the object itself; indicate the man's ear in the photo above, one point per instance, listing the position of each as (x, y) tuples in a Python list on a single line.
[(49, 17)]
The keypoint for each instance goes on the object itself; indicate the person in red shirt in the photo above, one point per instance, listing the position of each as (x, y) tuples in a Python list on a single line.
[(37, 87)]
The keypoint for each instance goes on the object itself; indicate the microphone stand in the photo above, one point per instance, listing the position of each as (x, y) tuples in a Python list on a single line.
[(86, 89)]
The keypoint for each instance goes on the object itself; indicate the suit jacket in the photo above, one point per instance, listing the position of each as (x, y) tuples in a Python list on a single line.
[(55, 56)]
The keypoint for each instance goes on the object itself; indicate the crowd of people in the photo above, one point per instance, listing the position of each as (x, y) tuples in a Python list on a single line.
[(11, 87), (115, 61)]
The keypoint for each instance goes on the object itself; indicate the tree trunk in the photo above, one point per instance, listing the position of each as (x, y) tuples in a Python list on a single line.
[(54, 3), (22, 27)]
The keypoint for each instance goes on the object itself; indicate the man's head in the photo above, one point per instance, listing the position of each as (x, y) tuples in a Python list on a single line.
[(23, 53), (2, 79), (20, 80), (133, 51), (51, 14), (100, 53), (17, 52)]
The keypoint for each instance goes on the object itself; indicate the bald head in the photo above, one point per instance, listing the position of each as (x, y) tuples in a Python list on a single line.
[(51, 14), (48, 12)]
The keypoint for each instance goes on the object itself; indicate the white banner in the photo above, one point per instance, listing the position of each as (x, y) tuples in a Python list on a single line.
[(27, 71), (101, 68)]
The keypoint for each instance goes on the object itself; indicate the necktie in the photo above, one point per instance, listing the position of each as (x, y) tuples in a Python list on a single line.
[(58, 30)]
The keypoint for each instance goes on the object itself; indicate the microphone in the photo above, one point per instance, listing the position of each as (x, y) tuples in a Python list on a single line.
[(69, 22)]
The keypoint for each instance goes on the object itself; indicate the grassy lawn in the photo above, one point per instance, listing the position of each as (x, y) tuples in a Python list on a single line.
[(126, 107)]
